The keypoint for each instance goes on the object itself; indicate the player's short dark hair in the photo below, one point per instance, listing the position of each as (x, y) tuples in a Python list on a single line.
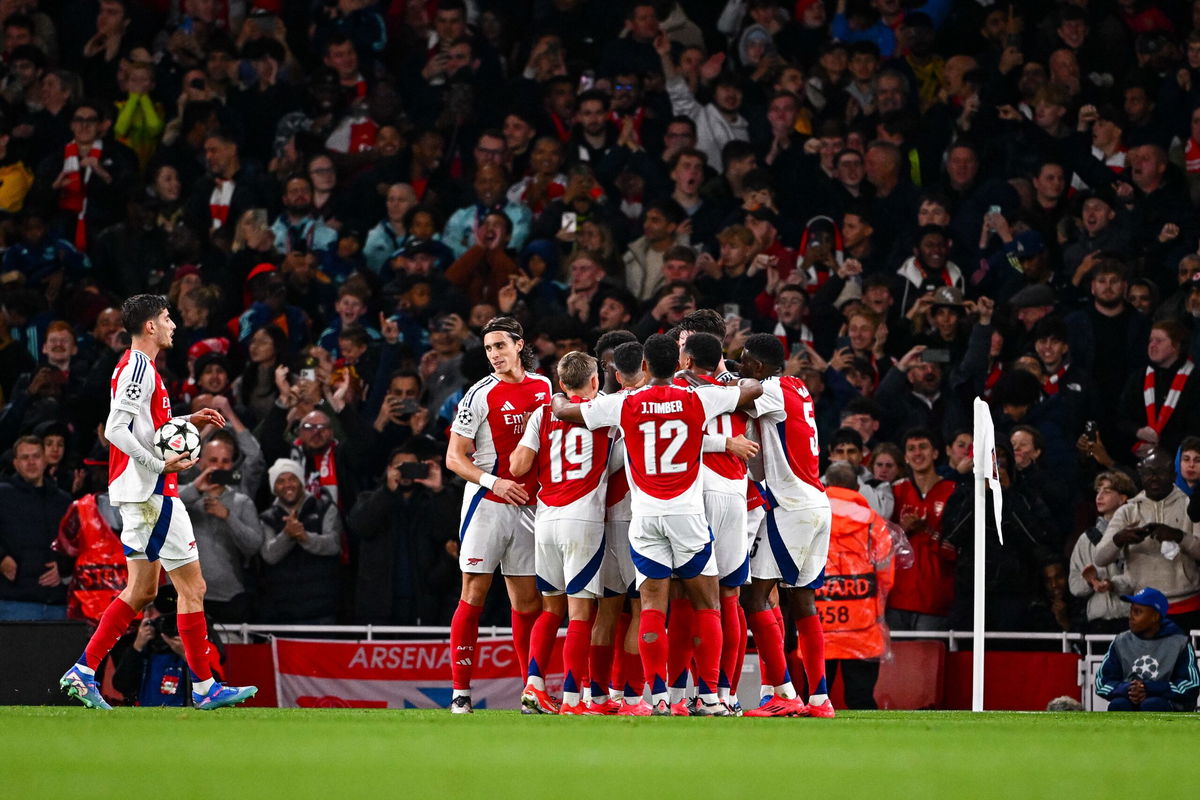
[(705, 349), (766, 348), (704, 320), (614, 339), (140, 309), (627, 358), (575, 369), (661, 354), (845, 436)]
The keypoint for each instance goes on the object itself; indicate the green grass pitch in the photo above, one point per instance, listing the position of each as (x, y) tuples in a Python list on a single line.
[(339, 755)]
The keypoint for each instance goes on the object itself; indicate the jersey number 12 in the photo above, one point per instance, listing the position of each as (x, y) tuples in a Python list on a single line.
[(673, 429)]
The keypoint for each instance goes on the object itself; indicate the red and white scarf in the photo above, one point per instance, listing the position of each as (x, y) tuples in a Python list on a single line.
[(218, 201), (1157, 419), (73, 193), (322, 471), (1050, 385), (1191, 156)]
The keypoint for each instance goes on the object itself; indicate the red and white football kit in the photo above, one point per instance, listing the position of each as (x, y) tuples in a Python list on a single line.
[(155, 524), (616, 573), (492, 414), (798, 518), (663, 429), (723, 476), (568, 529)]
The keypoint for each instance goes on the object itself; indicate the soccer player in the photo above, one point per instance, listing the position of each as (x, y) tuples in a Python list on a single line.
[(156, 531), (797, 530), (663, 426), (568, 533), (617, 572), (723, 473), (497, 513)]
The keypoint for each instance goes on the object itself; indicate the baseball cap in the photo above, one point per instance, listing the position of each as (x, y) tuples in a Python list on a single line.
[(1038, 294), (1149, 597), (1029, 244), (947, 296), (764, 214)]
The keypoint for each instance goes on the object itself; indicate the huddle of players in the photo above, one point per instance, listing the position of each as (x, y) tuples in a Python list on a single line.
[(643, 506)]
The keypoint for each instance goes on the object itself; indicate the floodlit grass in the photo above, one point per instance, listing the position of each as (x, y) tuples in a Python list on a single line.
[(345, 754)]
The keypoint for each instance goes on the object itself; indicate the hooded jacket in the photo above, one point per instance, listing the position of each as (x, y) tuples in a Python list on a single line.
[(1147, 562), (1164, 663)]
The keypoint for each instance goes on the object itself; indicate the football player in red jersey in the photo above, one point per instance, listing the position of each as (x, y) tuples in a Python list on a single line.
[(568, 533), (497, 512), (663, 424), (793, 550)]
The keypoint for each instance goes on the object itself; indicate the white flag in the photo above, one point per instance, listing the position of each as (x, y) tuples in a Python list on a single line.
[(985, 459)]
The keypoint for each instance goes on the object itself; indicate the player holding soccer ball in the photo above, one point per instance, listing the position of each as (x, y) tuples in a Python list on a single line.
[(156, 531)]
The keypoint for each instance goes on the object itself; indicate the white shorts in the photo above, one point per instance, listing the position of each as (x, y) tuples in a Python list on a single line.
[(679, 545), (568, 554), (495, 534), (727, 520), (755, 526), (158, 530), (792, 547), (616, 573)]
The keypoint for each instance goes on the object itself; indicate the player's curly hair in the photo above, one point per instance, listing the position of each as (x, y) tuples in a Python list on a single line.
[(511, 328)]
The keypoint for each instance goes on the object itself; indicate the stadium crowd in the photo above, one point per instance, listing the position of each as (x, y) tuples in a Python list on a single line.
[(924, 201)]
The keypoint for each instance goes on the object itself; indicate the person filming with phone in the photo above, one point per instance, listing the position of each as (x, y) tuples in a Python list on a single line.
[(227, 531), (302, 535)]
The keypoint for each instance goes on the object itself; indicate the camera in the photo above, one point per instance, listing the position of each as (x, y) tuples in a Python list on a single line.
[(225, 477), (414, 470), (936, 356), (407, 407), (166, 625)]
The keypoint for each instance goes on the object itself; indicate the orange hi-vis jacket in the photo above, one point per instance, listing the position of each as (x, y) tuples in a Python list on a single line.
[(100, 571), (858, 576)]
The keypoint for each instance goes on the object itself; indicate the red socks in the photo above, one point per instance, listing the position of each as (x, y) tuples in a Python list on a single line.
[(707, 624), (464, 633), (812, 650), (193, 630), (652, 645), (522, 629), (736, 677), (539, 642), (113, 624), (769, 641), (575, 655), (682, 644), (635, 681), (731, 628), (617, 676), (600, 667)]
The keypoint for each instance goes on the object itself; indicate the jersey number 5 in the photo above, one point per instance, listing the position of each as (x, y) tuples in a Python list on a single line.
[(673, 429), (575, 448)]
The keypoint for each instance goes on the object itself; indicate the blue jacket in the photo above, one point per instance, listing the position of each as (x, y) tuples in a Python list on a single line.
[(1166, 665)]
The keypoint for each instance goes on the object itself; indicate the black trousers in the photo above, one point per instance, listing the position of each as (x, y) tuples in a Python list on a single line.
[(858, 680)]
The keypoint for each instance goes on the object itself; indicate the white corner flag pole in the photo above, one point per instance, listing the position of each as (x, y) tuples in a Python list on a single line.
[(985, 470)]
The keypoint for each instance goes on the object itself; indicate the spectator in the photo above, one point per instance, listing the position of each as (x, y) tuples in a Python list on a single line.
[(407, 545), (860, 548), (32, 575), (846, 448), (1153, 535), (1151, 666), (923, 595), (302, 539), (227, 530), (1153, 398), (1106, 613)]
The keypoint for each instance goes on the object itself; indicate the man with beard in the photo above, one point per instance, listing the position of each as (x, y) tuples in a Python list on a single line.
[(594, 134), (1108, 338), (298, 228), (227, 191), (912, 397)]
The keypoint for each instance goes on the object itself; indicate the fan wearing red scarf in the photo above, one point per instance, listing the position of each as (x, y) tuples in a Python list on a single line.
[(91, 176), (1162, 405)]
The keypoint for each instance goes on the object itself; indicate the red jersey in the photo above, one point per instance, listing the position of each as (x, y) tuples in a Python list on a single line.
[(137, 388), (927, 587), (786, 428), (663, 428), (722, 471), (492, 414), (572, 464)]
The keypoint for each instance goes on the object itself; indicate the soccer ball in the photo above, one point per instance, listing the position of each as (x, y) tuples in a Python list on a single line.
[(1146, 667), (177, 435)]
